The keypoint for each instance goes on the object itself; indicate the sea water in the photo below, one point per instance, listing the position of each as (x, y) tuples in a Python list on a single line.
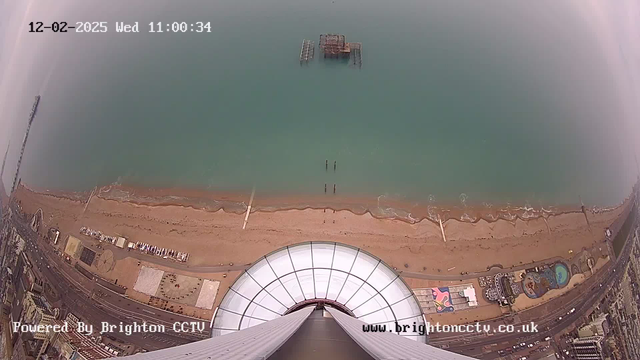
[(499, 101)]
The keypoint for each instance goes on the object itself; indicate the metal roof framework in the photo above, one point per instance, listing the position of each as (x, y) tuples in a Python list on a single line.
[(258, 342), (262, 341), (360, 284)]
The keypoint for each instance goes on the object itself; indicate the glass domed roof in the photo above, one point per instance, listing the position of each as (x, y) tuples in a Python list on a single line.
[(351, 279)]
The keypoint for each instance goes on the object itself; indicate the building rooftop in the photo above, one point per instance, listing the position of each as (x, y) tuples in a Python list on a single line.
[(332, 335), (40, 303), (345, 277), (86, 346)]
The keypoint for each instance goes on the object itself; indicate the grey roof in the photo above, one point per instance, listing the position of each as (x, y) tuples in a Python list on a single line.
[(261, 341), (338, 274), (40, 303), (257, 342), (387, 345)]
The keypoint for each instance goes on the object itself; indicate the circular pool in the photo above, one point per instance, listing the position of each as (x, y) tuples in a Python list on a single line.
[(562, 274)]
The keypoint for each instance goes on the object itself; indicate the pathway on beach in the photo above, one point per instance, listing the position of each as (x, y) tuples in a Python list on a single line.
[(120, 254), (473, 275)]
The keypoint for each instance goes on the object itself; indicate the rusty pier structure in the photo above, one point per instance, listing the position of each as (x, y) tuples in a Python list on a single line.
[(333, 46), (336, 46)]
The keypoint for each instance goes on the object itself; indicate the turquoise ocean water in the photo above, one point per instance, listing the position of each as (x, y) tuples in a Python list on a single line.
[(501, 101)]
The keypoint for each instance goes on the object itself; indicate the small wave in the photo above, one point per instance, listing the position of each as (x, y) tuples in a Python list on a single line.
[(600, 209), (411, 219), (432, 214), (463, 199), (508, 216), (110, 192), (393, 213), (118, 181), (468, 218), (411, 213)]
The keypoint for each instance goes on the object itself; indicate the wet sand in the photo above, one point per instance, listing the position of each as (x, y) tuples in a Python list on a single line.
[(379, 207), (213, 236)]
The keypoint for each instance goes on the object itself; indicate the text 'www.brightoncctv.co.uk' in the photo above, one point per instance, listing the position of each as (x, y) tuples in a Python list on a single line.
[(429, 328)]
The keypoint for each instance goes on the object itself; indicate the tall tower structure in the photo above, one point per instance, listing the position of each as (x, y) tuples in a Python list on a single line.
[(4, 161), (32, 116)]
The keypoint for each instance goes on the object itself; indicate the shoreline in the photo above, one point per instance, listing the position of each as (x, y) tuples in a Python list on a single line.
[(218, 237), (380, 208)]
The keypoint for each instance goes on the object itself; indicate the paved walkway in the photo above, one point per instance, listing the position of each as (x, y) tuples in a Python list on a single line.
[(470, 276), (120, 254)]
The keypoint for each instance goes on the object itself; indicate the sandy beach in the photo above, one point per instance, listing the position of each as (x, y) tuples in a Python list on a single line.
[(216, 236)]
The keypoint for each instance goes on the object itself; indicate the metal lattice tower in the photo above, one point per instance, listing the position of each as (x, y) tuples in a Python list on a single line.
[(32, 116)]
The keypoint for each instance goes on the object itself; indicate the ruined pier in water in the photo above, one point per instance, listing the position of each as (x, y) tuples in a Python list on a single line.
[(336, 46), (307, 50), (356, 54), (333, 46)]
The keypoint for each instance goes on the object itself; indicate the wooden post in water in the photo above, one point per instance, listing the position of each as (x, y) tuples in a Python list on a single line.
[(325, 188), (326, 165), (335, 163), (334, 188)]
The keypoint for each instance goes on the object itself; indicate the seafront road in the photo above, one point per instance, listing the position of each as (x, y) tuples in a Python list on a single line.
[(552, 317), (95, 303)]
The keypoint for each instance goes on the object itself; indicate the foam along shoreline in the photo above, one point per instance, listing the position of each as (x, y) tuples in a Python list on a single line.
[(237, 203), (217, 237)]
